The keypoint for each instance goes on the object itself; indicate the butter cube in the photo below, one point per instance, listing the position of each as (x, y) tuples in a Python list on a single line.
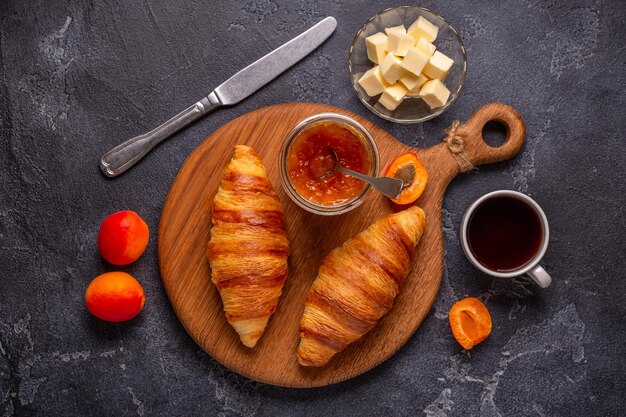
[(399, 43), (376, 47), (434, 93), (415, 60), (372, 82), (422, 28), (416, 91), (391, 68), (393, 96), (438, 66), (426, 47), (413, 83), (395, 29)]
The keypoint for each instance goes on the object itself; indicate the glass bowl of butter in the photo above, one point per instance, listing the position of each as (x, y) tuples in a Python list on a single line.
[(407, 64)]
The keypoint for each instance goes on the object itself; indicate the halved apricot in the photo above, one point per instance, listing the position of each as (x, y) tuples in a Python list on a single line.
[(409, 169), (470, 322)]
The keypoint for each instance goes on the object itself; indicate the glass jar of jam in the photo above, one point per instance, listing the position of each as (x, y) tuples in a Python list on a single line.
[(307, 163)]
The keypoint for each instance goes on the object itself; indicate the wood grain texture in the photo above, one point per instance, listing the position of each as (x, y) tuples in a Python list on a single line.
[(185, 225)]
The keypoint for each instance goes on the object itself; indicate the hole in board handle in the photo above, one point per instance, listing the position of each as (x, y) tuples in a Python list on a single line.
[(494, 133)]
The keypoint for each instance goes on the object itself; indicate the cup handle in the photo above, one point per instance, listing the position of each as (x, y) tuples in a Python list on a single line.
[(539, 276)]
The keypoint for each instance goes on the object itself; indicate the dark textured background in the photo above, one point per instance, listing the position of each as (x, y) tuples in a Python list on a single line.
[(78, 77)]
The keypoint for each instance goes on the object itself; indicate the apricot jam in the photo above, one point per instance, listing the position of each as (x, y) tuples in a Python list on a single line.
[(310, 164)]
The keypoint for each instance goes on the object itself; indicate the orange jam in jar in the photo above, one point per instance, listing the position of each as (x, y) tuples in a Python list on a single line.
[(310, 163)]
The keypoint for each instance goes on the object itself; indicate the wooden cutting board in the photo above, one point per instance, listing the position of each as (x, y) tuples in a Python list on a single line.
[(186, 222)]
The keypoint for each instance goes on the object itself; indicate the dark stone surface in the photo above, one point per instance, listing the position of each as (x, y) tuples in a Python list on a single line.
[(78, 77)]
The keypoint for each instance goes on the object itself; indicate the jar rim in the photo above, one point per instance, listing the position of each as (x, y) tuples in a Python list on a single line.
[(306, 124)]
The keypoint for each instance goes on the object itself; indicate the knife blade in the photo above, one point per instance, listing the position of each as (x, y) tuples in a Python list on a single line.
[(259, 73), (232, 91)]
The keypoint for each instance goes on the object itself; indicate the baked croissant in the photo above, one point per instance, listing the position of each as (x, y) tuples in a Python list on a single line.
[(248, 249), (357, 284)]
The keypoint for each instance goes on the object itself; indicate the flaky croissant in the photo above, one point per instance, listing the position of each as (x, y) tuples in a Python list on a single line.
[(357, 284), (248, 249)]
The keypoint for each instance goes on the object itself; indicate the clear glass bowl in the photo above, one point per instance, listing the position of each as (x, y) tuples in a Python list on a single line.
[(333, 118), (412, 109)]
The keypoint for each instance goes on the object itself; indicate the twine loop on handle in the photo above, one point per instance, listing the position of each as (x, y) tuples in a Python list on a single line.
[(456, 145)]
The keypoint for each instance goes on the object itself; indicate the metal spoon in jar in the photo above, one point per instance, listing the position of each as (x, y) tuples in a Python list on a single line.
[(389, 187)]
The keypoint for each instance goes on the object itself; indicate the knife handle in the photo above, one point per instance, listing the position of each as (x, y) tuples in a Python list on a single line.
[(125, 155)]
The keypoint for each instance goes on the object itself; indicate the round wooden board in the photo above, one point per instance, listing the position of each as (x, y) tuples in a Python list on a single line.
[(186, 222)]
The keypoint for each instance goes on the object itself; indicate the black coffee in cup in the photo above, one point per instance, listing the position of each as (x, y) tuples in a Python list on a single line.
[(504, 233)]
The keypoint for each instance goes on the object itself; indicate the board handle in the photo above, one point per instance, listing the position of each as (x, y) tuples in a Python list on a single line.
[(467, 144)]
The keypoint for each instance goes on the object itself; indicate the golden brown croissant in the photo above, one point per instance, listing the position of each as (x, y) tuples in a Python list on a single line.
[(357, 284), (248, 249)]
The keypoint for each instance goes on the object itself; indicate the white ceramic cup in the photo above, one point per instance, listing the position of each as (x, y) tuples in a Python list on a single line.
[(530, 269)]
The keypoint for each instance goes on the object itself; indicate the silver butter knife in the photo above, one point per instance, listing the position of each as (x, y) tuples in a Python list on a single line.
[(232, 91)]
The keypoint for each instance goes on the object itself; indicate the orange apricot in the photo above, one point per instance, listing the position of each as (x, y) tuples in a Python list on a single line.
[(414, 186), (470, 322), (123, 237), (115, 297)]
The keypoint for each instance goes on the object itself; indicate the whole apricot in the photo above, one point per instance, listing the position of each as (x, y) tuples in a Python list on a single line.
[(115, 297), (123, 237)]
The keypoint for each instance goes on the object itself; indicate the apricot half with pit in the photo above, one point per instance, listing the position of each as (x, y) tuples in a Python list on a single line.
[(123, 237)]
